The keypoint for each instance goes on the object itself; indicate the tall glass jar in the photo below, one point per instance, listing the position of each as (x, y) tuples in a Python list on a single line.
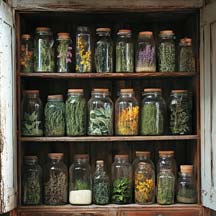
[(126, 113), (31, 181), (186, 56), (64, 52), (180, 112), (124, 51), (55, 180), (153, 112), (32, 114), (167, 51), (44, 50), (186, 190), (101, 185), (145, 54), (121, 180), (83, 50), (100, 113), (76, 110), (54, 113), (26, 54), (104, 51), (80, 181)]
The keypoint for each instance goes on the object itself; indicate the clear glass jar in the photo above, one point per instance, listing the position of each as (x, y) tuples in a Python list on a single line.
[(32, 114), (100, 113), (165, 187), (186, 192), (44, 50), (64, 52), (54, 113), (55, 180), (31, 181), (76, 110), (145, 182), (104, 51), (26, 54), (167, 52), (80, 181), (101, 185), (83, 50), (126, 113), (121, 180), (145, 54), (180, 112), (153, 112), (186, 56), (124, 51)]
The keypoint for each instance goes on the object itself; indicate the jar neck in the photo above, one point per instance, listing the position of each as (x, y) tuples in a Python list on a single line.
[(103, 34), (75, 95), (32, 96), (100, 95), (124, 35), (152, 94), (81, 161), (121, 160), (125, 95), (54, 100), (144, 157), (31, 162), (164, 157), (54, 161), (99, 168), (186, 174)]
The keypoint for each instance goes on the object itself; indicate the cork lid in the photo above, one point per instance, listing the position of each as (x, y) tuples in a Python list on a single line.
[(103, 30), (186, 168), (100, 162), (55, 155), (30, 157), (146, 33), (63, 35), (121, 156), (142, 153), (186, 41), (166, 33), (43, 29), (179, 91), (31, 91), (26, 36), (124, 32), (81, 156), (80, 91), (129, 90), (101, 90), (166, 153), (55, 97), (152, 90)]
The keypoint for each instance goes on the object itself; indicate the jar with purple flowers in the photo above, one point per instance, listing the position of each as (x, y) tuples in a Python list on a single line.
[(145, 54)]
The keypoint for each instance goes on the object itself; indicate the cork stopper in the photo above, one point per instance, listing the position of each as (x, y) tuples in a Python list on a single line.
[(81, 156), (56, 156), (101, 90), (43, 29), (124, 32), (186, 168), (166, 153), (166, 33), (146, 33), (26, 36), (31, 91), (121, 156), (179, 91), (55, 97), (126, 90), (80, 91), (152, 90), (142, 154), (186, 41), (103, 30), (63, 35), (100, 162)]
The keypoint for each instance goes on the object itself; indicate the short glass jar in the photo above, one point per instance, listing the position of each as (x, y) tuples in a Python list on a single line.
[(80, 181), (145, 54), (126, 113), (100, 113)]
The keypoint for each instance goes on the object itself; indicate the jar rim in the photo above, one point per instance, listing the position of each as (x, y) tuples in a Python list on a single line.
[(75, 91), (26, 36), (103, 29), (55, 97), (63, 35), (166, 153), (31, 91), (179, 91), (55, 155), (152, 90), (142, 153)]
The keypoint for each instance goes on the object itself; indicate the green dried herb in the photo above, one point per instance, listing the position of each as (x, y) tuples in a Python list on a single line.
[(186, 59), (81, 185), (101, 190)]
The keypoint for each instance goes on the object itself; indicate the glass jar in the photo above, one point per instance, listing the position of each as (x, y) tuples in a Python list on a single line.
[(101, 185), (121, 180), (31, 181), (145, 182), (32, 114), (153, 111), (104, 51), (145, 54), (180, 112), (126, 113), (76, 110), (124, 51), (100, 113), (167, 52), (44, 50), (83, 50), (26, 54), (54, 113), (55, 180), (186, 192), (186, 56), (165, 187), (80, 181), (64, 52)]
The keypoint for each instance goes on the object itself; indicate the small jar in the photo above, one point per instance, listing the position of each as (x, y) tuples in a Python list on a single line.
[(100, 113), (145, 54), (186, 192), (124, 51), (64, 52), (121, 180), (26, 54), (186, 56), (126, 113), (83, 50), (104, 51), (101, 185), (32, 114), (76, 110), (153, 112), (166, 52), (55, 180), (31, 181), (44, 50), (54, 113), (180, 112), (80, 181)]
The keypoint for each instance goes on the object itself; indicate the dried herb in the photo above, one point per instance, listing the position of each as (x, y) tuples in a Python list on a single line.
[(81, 185), (186, 195), (101, 191)]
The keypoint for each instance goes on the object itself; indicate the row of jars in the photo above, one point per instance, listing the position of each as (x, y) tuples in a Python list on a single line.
[(76, 116), (41, 56), (126, 182)]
